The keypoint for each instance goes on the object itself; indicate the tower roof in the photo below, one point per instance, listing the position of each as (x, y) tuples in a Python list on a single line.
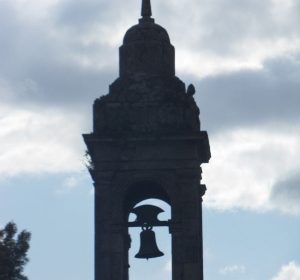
[(147, 48), (146, 31)]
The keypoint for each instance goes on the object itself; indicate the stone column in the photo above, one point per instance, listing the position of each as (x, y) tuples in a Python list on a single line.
[(111, 234), (186, 229)]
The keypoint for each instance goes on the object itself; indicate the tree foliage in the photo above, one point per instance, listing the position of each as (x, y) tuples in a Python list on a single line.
[(13, 252)]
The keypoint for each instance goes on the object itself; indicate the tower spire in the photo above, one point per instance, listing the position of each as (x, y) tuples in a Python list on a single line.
[(146, 9)]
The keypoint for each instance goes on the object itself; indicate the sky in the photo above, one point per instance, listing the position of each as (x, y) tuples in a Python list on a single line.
[(243, 56)]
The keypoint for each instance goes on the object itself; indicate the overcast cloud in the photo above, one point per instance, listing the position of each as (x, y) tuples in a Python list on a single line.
[(291, 271), (243, 57)]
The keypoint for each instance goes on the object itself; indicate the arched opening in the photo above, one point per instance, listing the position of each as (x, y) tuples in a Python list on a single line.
[(148, 193), (155, 268), (141, 191)]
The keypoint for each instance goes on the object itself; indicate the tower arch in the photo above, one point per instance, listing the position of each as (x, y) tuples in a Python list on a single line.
[(143, 190)]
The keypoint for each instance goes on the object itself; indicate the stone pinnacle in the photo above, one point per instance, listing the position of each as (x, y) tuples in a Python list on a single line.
[(146, 9)]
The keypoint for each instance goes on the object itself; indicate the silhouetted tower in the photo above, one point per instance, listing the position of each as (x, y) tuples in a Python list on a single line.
[(147, 143)]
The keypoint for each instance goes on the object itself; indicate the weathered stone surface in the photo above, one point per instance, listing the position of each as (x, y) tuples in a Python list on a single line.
[(147, 143), (146, 105), (146, 49)]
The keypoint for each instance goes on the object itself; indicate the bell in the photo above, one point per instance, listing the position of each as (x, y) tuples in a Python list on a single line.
[(148, 248)]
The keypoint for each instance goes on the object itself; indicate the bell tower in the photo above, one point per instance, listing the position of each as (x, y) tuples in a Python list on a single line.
[(147, 143)]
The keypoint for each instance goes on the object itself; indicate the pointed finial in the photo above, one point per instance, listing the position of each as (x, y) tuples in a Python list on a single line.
[(146, 9)]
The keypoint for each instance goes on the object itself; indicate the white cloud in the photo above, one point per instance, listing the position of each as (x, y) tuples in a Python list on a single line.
[(39, 140), (73, 182), (286, 194), (291, 271), (248, 163), (168, 266), (233, 269), (227, 36), (204, 63)]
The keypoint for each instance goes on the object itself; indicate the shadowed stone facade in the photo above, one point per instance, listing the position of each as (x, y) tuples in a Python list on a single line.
[(147, 143)]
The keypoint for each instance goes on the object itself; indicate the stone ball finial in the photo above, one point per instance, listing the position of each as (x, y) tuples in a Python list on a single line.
[(191, 90)]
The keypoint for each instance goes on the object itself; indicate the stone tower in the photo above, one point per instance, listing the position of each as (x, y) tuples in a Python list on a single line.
[(147, 143)]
